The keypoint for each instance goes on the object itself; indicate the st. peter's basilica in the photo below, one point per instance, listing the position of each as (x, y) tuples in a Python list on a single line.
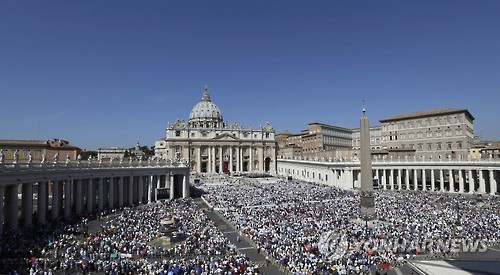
[(211, 146)]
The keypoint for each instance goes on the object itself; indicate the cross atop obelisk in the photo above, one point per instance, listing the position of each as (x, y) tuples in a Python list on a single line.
[(367, 198)]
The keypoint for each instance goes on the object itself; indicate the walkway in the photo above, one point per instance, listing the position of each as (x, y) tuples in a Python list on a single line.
[(243, 246)]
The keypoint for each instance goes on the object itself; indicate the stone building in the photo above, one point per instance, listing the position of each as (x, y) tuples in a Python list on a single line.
[(209, 145), (36, 149), (436, 134)]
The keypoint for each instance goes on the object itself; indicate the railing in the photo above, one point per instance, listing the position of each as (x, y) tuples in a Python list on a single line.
[(376, 160), (15, 166)]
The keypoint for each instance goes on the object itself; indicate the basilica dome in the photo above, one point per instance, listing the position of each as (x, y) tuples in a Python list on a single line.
[(205, 114)]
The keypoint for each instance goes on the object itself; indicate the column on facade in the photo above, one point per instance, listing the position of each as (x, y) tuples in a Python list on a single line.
[(250, 152), (2, 200), (451, 179), (261, 158), (78, 195), (90, 195), (441, 180), (220, 159), (27, 204), (42, 204), (471, 181), (67, 198), (493, 183), (111, 193), (12, 205), (198, 160), (56, 199), (460, 181), (231, 159), (378, 177), (238, 159), (415, 179), (185, 185), (121, 196), (100, 189), (433, 184)]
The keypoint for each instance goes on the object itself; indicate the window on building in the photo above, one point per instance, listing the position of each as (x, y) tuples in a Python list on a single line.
[(429, 146), (448, 145), (26, 153), (459, 145), (439, 146), (420, 146), (429, 134), (38, 153), (177, 133), (459, 132), (439, 133)]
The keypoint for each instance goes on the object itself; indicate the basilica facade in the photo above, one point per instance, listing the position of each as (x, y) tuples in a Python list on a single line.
[(208, 145)]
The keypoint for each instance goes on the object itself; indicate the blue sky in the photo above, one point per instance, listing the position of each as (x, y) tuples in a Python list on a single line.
[(113, 73)]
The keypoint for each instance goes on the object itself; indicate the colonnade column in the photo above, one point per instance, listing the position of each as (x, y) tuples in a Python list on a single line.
[(391, 179), (261, 159), (415, 179), (140, 191), (120, 192), (158, 183), (100, 188), (384, 179), (12, 204), (67, 199), (150, 188), (56, 199), (90, 195), (378, 177), (111, 193), (460, 181), (407, 179), (27, 204), (482, 183), (451, 180), (493, 183), (433, 184), (471, 181), (41, 207), (131, 191), (424, 180), (1, 208), (441, 180), (171, 186), (78, 196)]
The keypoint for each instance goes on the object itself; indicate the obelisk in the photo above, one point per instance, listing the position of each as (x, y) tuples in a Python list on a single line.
[(366, 190)]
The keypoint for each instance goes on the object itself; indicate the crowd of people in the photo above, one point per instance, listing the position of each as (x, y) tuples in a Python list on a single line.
[(122, 244), (305, 228), (312, 229)]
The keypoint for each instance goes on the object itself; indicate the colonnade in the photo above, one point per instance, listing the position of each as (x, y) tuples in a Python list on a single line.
[(451, 179), (36, 198), (461, 177)]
